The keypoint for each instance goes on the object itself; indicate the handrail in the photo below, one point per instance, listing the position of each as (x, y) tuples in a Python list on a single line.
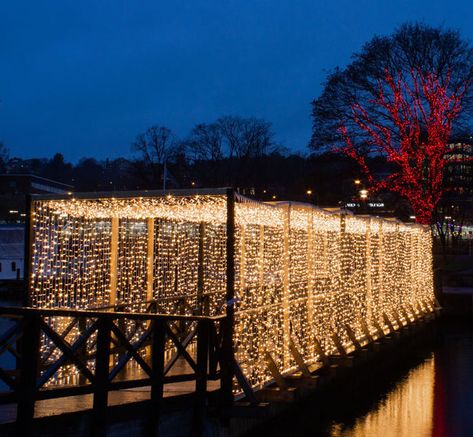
[(17, 311), (156, 348), (160, 299)]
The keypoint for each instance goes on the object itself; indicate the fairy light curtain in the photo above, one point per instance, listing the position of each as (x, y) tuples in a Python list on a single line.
[(301, 273)]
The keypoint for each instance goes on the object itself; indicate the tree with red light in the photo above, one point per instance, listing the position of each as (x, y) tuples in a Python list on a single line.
[(422, 110), (400, 98)]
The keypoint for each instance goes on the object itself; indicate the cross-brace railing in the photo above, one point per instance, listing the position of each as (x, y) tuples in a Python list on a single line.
[(109, 351)]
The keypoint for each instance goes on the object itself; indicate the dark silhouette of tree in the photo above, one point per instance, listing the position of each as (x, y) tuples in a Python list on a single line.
[(157, 147), (58, 169), (205, 142), (4, 157), (246, 137), (89, 175)]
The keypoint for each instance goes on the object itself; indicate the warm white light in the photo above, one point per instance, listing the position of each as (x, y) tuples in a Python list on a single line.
[(300, 271)]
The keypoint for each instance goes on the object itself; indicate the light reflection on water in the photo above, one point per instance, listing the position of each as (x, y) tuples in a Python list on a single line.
[(427, 392), (405, 412), (434, 399)]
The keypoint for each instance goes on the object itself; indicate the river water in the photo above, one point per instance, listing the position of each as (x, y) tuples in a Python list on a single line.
[(427, 394)]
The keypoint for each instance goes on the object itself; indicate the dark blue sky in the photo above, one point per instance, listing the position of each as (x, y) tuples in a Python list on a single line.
[(84, 77)]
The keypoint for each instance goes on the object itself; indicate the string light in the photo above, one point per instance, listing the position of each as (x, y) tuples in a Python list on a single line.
[(420, 110), (301, 272)]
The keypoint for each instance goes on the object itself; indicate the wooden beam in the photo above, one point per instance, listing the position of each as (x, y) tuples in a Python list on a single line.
[(379, 330), (228, 356), (298, 358), (273, 369), (310, 280), (366, 331), (369, 289), (150, 260), (338, 344), (203, 308), (388, 323), (352, 337), (113, 261), (320, 351), (286, 291)]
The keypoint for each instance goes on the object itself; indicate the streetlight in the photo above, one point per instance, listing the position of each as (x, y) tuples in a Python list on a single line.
[(309, 192), (364, 194), (357, 182)]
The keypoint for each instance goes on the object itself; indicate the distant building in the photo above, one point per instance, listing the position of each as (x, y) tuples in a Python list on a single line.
[(15, 187), (458, 178), (12, 249)]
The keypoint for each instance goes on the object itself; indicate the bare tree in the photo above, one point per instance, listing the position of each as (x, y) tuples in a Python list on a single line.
[(205, 142), (246, 137), (156, 146), (4, 157)]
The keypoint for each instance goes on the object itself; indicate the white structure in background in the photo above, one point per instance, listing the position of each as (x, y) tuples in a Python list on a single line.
[(12, 251)]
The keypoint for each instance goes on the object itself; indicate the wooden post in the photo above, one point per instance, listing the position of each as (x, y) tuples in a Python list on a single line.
[(158, 340), (343, 289), (201, 376), (381, 295), (261, 259), (227, 340), (369, 289), (102, 368), (286, 290), (310, 281), (202, 302), (28, 371), (113, 261), (150, 260), (28, 258)]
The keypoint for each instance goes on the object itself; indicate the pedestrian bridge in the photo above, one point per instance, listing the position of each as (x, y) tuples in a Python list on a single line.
[(153, 288)]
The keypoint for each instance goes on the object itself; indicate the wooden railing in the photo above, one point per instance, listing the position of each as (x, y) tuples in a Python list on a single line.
[(110, 351)]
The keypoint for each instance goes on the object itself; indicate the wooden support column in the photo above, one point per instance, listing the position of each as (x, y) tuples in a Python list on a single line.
[(227, 352), (310, 281), (369, 289), (343, 279), (242, 260), (28, 254), (150, 260), (202, 301), (261, 259), (381, 297), (286, 290), (113, 261)]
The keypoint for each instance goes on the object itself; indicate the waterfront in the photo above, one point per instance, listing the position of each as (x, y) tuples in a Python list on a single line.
[(427, 394)]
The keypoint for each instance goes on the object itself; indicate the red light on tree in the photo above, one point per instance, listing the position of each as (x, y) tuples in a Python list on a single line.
[(420, 110)]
